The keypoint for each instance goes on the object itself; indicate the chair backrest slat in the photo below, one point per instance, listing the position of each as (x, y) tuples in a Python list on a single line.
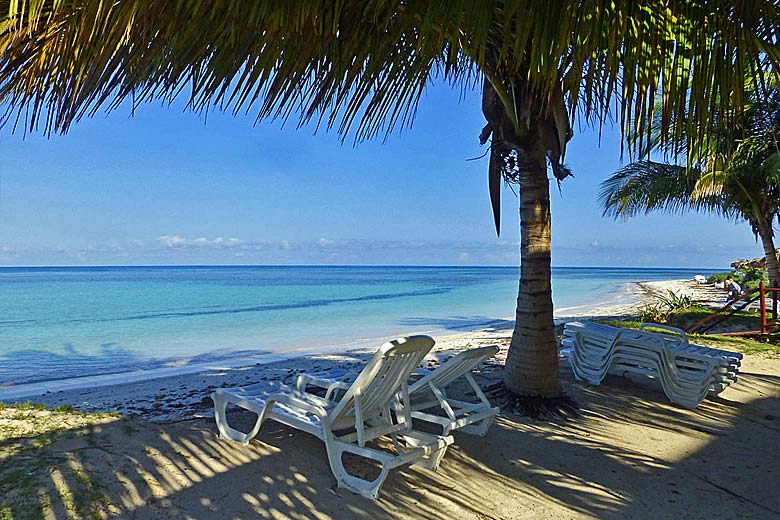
[(381, 379), (454, 368)]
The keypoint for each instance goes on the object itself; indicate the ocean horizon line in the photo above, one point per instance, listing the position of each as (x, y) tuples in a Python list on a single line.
[(350, 266)]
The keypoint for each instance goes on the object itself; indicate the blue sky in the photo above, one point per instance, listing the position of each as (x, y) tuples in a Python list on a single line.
[(165, 187)]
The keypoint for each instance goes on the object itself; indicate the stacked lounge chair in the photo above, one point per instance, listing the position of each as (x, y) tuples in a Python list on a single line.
[(687, 372)]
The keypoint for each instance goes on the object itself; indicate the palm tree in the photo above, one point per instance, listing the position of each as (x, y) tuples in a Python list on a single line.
[(737, 175), (362, 65)]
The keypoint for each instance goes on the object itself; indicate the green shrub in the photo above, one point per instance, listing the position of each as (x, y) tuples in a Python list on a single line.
[(751, 278), (653, 314), (675, 302), (660, 312), (719, 277), (748, 279)]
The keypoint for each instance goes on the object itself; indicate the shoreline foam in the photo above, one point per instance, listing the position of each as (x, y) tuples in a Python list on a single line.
[(33, 388)]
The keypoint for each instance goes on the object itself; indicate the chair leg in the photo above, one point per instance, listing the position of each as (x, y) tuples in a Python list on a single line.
[(433, 460), (429, 461), (225, 430), (366, 488), (480, 427)]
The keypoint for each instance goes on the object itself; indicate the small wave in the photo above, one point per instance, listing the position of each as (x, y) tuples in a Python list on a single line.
[(16, 322), (211, 311), (275, 307)]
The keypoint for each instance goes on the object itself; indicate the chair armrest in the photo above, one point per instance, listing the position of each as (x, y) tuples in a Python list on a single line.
[(319, 380), (335, 387), (302, 402), (304, 380)]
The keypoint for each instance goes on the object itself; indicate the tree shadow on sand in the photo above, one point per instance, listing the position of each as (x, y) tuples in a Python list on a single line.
[(631, 454), (464, 323)]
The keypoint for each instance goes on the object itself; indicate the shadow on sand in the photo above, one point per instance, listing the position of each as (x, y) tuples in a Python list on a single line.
[(463, 323), (630, 455)]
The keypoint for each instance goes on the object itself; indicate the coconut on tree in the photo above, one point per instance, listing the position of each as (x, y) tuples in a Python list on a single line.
[(361, 66), (736, 174)]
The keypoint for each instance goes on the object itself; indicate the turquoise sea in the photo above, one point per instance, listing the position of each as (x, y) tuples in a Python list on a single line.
[(64, 322)]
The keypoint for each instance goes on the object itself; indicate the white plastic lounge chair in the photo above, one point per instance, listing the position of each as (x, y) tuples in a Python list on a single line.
[(594, 351), (687, 373), (687, 387), (429, 392), (361, 416), (672, 349), (672, 338), (621, 362)]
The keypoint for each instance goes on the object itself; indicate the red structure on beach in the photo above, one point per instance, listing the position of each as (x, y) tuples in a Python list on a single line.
[(768, 325)]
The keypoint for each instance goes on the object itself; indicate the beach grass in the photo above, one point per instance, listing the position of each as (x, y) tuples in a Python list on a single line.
[(686, 314), (741, 320), (744, 345), (32, 486)]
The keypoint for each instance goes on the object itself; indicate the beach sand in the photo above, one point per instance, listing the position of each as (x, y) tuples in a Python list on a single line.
[(631, 453)]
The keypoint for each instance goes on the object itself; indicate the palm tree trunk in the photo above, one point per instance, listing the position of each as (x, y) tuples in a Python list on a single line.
[(773, 268), (532, 360)]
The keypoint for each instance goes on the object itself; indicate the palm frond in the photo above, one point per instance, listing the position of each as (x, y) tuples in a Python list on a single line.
[(361, 65), (737, 173), (711, 181), (645, 186)]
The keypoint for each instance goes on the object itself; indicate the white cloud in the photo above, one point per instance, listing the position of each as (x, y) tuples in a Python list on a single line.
[(178, 241), (172, 249), (173, 241)]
